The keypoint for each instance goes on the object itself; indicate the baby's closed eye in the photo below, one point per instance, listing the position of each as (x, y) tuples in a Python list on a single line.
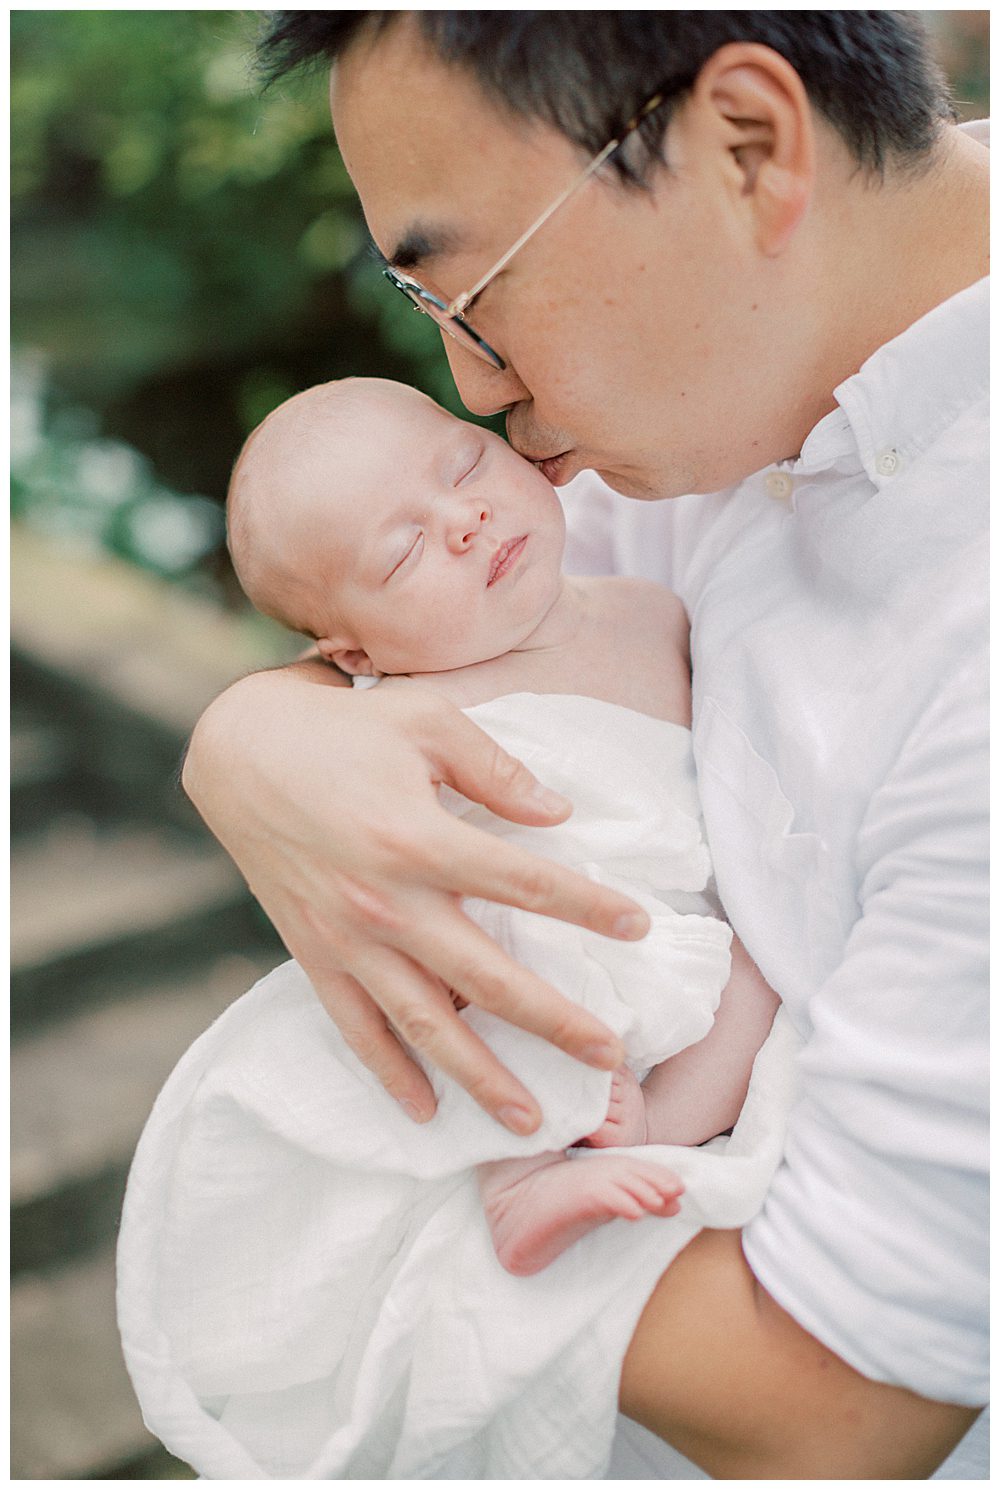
[(412, 551)]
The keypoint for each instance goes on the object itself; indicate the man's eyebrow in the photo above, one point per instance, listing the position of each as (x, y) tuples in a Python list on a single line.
[(417, 244)]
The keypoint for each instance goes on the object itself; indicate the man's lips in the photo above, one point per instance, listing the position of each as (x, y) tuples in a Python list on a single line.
[(527, 441), (505, 558), (552, 467)]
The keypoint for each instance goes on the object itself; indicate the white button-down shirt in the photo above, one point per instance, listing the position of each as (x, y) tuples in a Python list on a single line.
[(838, 610)]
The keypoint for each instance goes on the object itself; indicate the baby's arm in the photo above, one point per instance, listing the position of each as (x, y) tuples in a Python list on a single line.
[(700, 1092)]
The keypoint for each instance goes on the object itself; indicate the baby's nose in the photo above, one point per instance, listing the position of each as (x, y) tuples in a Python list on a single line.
[(466, 524)]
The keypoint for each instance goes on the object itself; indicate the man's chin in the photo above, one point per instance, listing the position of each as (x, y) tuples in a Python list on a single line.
[(641, 486), (632, 484)]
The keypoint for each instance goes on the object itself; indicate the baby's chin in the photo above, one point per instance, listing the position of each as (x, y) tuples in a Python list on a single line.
[(451, 654), (445, 662)]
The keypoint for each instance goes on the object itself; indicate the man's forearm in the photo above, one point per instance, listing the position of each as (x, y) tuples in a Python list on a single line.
[(728, 1378)]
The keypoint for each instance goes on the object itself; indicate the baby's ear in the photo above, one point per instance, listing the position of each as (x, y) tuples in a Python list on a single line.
[(349, 659)]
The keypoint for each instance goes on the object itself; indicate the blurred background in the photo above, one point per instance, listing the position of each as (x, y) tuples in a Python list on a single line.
[(186, 253)]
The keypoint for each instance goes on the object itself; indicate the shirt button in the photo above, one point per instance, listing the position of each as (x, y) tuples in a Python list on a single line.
[(887, 462), (779, 486)]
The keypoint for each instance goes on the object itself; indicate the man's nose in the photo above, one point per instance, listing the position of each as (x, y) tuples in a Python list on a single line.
[(483, 388), (465, 523)]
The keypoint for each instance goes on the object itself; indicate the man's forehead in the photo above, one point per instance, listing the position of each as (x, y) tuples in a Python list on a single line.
[(392, 82), (433, 157)]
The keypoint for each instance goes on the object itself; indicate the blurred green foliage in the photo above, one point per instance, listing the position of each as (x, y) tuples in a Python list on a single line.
[(98, 494), (962, 43), (161, 209), (187, 250)]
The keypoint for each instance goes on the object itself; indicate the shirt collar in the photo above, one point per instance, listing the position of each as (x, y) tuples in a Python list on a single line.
[(907, 392), (916, 385)]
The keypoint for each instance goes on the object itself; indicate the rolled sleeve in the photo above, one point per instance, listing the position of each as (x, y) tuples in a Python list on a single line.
[(873, 1236)]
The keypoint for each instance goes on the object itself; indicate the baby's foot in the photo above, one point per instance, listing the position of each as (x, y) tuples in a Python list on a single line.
[(541, 1213), (625, 1123)]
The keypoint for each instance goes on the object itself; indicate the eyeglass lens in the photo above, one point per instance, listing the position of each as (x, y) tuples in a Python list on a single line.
[(456, 328)]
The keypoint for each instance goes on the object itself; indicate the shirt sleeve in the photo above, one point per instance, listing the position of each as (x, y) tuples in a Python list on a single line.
[(873, 1236)]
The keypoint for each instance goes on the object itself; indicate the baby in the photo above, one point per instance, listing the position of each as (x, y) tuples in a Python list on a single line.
[(421, 551)]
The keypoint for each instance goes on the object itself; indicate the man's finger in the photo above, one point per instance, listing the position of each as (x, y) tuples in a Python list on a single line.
[(424, 1016), (366, 1030), (474, 965), (471, 762), (491, 870)]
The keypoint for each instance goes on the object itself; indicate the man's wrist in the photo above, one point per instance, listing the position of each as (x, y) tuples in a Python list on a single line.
[(224, 722)]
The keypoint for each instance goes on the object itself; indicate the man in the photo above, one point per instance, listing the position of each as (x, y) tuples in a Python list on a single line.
[(714, 252)]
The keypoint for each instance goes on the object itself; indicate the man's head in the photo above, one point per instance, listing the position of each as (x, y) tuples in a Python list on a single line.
[(680, 321), (399, 537), (586, 72)]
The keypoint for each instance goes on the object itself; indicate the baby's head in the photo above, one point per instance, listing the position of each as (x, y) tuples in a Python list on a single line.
[(399, 537)]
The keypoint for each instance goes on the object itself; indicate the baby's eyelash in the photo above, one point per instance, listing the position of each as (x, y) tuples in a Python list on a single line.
[(466, 474), (396, 567)]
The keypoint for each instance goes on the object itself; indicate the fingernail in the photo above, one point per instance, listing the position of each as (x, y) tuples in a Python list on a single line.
[(551, 801), (631, 925), (517, 1119), (413, 1111), (600, 1053)]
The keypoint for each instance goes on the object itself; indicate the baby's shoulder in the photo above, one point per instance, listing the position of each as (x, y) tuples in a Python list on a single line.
[(640, 652), (639, 603)]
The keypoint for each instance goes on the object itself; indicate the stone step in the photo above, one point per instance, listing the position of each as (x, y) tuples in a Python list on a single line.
[(151, 649), (44, 779), (74, 746), (118, 950), (39, 750), (73, 1414), (96, 910), (81, 1090), (77, 883)]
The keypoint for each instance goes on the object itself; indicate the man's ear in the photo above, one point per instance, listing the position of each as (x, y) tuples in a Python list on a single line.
[(350, 660), (759, 105)]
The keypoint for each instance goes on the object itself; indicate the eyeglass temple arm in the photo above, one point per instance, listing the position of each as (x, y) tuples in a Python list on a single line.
[(459, 304)]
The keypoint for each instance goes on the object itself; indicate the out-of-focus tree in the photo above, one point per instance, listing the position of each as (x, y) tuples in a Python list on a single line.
[(178, 231), (962, 43)]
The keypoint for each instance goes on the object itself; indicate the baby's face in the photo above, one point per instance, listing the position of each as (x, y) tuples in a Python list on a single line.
[(437, 545)]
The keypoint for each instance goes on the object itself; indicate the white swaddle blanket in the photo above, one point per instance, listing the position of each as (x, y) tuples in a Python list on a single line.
[(307, 1285)]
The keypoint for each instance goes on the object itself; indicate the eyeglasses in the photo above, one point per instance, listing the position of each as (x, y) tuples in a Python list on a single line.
[(450, 315)]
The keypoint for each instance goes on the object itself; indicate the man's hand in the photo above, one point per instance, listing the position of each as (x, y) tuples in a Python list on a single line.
[(327, 800)]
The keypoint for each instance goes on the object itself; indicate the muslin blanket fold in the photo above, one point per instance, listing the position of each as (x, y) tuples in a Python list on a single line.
[(307, 1287)]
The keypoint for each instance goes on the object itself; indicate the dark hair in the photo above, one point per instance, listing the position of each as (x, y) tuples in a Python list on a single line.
[(869, 72)]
